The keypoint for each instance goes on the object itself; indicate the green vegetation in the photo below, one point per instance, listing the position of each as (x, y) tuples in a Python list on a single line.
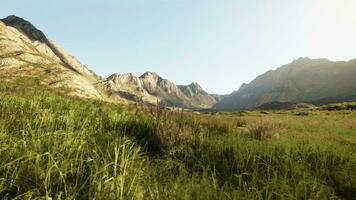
[(56, 147), (340, 106)]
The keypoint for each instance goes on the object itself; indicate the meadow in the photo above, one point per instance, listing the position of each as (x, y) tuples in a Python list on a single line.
[(58, 147)]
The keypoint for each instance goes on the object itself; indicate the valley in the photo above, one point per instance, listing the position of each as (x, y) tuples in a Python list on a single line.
[(68, 133), (69, 148)]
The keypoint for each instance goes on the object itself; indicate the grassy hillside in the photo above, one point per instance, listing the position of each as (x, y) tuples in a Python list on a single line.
[(55, 147)]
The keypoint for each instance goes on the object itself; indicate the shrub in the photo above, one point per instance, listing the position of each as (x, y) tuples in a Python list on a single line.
[(302, 113), (262, 130), (241, 122)]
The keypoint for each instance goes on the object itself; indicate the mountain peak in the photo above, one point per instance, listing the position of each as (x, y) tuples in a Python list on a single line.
[(306, 60), (127, 76), (13, 18), (192, 89), (122, 80), (25, 27), (195, 86), (151, 77), (302, 59), (123, 75), (149, 74)]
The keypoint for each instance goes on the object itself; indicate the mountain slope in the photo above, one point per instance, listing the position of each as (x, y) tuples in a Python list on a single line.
[(165, 90), (304, 80), (150, 88), (25, 51), (197, 95), (127, 86)]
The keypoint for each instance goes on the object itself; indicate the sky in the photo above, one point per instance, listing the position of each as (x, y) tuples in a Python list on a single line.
[(218, 43)]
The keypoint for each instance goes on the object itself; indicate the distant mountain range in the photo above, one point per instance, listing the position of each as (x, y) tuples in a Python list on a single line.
[(303, 80), (25, 51)]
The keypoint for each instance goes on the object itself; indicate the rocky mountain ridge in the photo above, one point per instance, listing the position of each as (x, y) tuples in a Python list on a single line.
[(150, 88)]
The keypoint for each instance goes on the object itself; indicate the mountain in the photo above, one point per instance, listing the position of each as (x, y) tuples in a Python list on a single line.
[(150, 88), (27, 52), (197, 95), (164, 89), (127, 86), (219, 97), (303, 80)]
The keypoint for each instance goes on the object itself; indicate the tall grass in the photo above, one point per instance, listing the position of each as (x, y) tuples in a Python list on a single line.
[(56, 147)]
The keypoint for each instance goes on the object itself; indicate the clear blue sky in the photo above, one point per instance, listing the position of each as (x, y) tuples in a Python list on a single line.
[(217, 43)]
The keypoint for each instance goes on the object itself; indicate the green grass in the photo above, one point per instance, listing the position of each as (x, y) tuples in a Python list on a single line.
[(56, 147)]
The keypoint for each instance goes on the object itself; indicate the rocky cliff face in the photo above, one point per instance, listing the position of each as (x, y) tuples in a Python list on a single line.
[(150, 88), (25, 51), (197, 95), (303, 80), (128, 86), (165, 90)]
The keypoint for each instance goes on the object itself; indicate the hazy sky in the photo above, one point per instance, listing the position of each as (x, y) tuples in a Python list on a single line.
[(217, 43)]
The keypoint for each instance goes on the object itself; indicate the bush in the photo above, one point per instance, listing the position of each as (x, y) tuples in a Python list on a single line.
[(241, 122), (262, 130), (302, 113)]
